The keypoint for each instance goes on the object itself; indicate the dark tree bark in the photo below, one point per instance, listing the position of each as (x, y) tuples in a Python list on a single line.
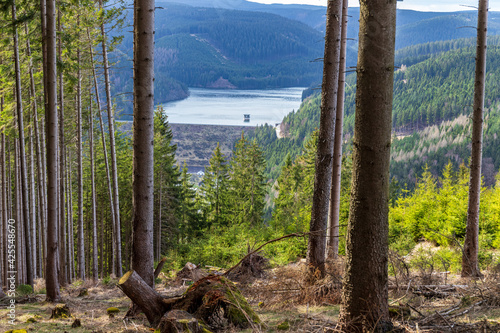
[(470, 263), (51, 275), (142, 242), (333, 214), (24, 177), (323, 177), (365, 287)]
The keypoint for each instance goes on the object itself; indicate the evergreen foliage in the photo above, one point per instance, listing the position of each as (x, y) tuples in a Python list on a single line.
[(432, 98), (215, 186)]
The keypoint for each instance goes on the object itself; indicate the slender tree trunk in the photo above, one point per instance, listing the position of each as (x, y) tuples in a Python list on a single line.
[(24, 176), (44, 152), (112, 150), (93, 197), (71, 244), (41, 198), (101, 245), (365, 287), (42, 187), (81, 244), (105, 151), (142, 244), (323, 176), (7, 181), (36, 249), (333, 218), (33, 207), (470, 263), (3, 191), (18, 215), (158, 237), (3, 204), (63, 277), (52, 279), (69, 222)]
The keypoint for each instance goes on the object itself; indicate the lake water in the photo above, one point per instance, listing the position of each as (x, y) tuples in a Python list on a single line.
[(228, 107)]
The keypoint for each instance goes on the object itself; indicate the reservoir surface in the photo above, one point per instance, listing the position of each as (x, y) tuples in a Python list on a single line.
[(228, 107)]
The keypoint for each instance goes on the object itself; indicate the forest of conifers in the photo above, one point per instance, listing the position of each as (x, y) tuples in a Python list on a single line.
[(264, 190)]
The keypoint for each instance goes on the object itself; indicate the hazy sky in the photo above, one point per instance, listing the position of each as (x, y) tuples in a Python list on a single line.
[(421, 5)]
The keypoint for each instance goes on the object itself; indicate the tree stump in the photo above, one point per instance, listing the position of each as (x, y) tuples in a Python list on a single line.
[(148, 300), (83, 292), (60, 311), (77, 323)]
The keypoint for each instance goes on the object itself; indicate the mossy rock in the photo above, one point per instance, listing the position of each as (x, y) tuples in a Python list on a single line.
[(61, 311), (112, 311), (284, 326)]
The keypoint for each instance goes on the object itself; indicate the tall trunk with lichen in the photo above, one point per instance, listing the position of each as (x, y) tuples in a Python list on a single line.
[(323, 176), (365, 288), (22, 156), (333, 214), (470, 263), (117, 261), (80, 233), (103, 139)]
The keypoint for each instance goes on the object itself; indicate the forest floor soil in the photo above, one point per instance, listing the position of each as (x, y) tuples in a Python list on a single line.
[(283, 302)]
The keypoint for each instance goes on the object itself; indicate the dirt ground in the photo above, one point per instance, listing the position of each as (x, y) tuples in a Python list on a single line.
[(283, 303)]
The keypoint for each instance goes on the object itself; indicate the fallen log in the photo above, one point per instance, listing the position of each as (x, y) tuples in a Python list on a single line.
[(134, 309), (145, 297)]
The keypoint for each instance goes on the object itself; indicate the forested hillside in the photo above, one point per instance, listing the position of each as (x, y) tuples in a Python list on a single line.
[(244, 45), (216, 48), (432, 92)]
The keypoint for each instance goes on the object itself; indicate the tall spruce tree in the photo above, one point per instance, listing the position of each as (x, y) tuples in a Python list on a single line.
[(51, 273), (215, 187), (167, 183), (143, 138), (365, 288), (335, 191), (247, 185), (470, 262), (316, 246)]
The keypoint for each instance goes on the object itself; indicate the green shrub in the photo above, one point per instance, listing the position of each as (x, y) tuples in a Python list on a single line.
[(24, 289)]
